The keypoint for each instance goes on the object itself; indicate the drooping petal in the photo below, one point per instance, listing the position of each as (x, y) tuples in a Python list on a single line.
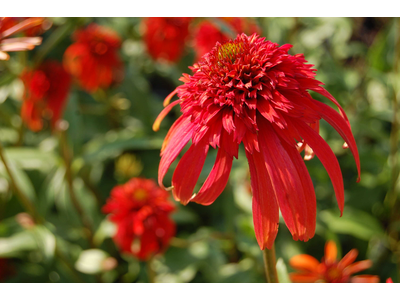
[(327, 157), (265, 204), (163, 113), (286, 182), (332, 117), (172, 131), (169, 97), (176, 143), (304, 262), (188, 171), (216, 180), (308, 188)]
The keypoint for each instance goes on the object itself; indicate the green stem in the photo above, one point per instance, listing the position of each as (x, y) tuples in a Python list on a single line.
[(66, 155), (24, 200), (150, 271), (270, 265)]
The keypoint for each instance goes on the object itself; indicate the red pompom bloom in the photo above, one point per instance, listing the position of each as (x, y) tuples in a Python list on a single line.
[(93, 59), (207, 34), (251, 90), (9, 27), (165, 37), (46, 90), (331, 270), (141, 210)]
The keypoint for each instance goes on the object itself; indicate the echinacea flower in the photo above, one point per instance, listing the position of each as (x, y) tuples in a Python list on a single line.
[(93, 59), (45, 95), (208, 34), (141, 211), (252, 91), (9, 27), (165, 37), (330, 269)]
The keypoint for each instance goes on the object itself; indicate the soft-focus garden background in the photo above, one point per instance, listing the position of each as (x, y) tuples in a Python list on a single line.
[(111, 140)]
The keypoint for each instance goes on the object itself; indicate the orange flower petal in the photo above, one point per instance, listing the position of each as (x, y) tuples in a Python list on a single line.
[(348, 259), (330, 252), (304, 278), (365, 279), (304, 262), (358, 267)]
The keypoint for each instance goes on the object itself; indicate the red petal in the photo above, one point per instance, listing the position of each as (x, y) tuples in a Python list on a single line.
[(308, 188), (342, 127), (216, 181), (265, 205), (327, 158), (286, 183), (177, 141), (188, 171)]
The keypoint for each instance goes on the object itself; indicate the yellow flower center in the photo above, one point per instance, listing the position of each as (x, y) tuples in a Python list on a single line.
[(140, 194), (229, 51)]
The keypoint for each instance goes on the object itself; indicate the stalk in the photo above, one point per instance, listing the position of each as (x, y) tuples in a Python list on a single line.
[(270, 265), (67, 157)]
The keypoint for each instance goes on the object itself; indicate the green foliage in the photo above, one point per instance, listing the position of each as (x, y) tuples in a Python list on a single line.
[(355, 58)]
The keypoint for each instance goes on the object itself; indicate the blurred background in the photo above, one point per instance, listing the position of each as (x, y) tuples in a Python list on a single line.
[(66, 170)]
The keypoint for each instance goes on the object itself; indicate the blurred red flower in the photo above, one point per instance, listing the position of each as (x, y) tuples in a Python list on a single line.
[(165, 37), (251, 90), (330, 269), (93, 59), (11, 26), (46, 91), (208, 34), (141, 210), (389, 280)]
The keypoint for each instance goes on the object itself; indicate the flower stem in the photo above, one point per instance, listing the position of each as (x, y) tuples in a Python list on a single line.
[(23, 199), (150, 271), (270, 265), (66, 155)]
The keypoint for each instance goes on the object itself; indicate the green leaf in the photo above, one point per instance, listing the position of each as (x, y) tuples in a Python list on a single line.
[(354, 222), (281, 269)]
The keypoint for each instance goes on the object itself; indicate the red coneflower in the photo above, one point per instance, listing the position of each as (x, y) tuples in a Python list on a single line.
[(9, 27), (46, 90), (330, 269), (208, 34), (251, 90), (93, 59), (165, 37), (141, 210)]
